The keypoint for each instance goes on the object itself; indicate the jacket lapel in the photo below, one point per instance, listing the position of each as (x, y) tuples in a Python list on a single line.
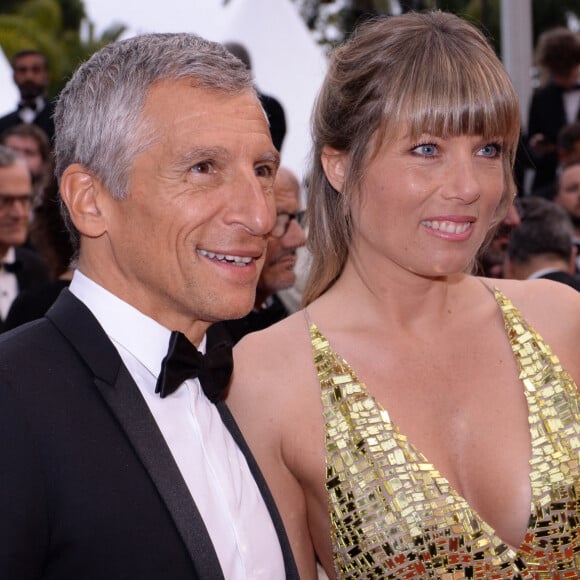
[(232, 426), (113, 380)]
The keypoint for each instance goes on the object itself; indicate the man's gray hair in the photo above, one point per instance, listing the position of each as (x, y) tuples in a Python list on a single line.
[(98, 115)]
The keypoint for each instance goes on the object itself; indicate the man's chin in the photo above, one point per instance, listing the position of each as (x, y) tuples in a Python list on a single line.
[(29, 93)]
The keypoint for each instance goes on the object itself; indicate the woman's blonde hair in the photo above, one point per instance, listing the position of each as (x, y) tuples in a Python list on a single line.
[(432, 71)]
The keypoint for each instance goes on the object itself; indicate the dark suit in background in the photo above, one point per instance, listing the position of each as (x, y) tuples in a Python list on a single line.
[(31, 272), (43, 119), (564, 278), (31, 269), (547, 116)]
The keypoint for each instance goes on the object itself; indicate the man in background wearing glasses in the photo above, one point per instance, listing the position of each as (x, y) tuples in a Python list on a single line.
[(21, 268), (278, 272)]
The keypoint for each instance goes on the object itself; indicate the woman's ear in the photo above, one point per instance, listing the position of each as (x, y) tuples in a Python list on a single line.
[(334, 165), (82, 194)]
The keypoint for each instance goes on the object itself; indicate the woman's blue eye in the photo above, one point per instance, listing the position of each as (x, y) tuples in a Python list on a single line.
[(491, 150), (427, 149)]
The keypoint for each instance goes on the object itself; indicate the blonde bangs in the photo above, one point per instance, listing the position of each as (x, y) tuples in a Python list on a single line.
[(449, 101)]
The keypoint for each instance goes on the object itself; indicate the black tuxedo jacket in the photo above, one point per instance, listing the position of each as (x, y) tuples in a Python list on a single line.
[(31, 274), (32, 271), (547, 116), (44, 119), (89, 487)]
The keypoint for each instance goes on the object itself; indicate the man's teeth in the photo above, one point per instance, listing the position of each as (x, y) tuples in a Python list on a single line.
[(447, 227), (235, 260)]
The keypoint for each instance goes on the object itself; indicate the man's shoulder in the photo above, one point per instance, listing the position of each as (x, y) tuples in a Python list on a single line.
[(28, 255), (547, 92), (8, 120), (34, 269), (28, 343)]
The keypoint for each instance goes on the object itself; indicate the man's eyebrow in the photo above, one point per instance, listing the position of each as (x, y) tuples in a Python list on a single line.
[(201, 152), (270, 157)]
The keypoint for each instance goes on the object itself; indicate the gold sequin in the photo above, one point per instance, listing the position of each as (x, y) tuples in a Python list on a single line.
[(393, 516)]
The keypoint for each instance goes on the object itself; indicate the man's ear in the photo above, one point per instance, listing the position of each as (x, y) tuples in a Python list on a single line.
[(334, 165), (82, 194)]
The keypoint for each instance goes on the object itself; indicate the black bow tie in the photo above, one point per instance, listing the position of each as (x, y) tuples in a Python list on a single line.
[(32, 106), (183, 361), (12, 267)]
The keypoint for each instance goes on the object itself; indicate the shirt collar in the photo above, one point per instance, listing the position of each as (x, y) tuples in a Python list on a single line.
[(543, 272), (9, 256), (143, 337)]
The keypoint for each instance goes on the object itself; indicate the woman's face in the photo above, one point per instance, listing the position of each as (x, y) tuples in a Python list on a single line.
[(425, 205)]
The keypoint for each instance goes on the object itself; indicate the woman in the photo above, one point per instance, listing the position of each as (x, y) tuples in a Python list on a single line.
[(448, 445)]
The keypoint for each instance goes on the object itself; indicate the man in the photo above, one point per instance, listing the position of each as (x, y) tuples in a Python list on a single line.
[(568, 143), (555, 103), (568, 196), (278, 272), (32, 144), (541, 246), (31, 76), (166, 171), (20, 268)]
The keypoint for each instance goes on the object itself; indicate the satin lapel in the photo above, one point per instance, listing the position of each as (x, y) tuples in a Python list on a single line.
[(232, 426), (119, 391)]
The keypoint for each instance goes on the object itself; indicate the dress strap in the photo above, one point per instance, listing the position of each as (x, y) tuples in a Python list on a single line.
[(491, 290), (307, 319)]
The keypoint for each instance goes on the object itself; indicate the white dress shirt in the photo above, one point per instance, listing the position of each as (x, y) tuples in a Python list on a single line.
[(213, 467), (8, 284), (572, 105), (27, 114)]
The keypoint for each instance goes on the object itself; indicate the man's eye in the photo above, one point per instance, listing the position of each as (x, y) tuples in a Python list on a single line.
[(203, 167), (264, 171)]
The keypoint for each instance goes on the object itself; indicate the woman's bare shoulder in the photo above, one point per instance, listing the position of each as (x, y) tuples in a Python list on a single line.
[(280, 354), (542, 299), (553, 310), (279, 341)]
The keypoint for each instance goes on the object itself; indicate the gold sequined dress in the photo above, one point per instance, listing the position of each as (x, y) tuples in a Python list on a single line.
[(393, 516)]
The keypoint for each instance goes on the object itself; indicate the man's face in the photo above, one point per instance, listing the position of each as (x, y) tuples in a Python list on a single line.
[(568, 80), (189, 242), (30, 151), (15, 197), (566, 157), (568, 195), (30, 76), (278, 273)]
